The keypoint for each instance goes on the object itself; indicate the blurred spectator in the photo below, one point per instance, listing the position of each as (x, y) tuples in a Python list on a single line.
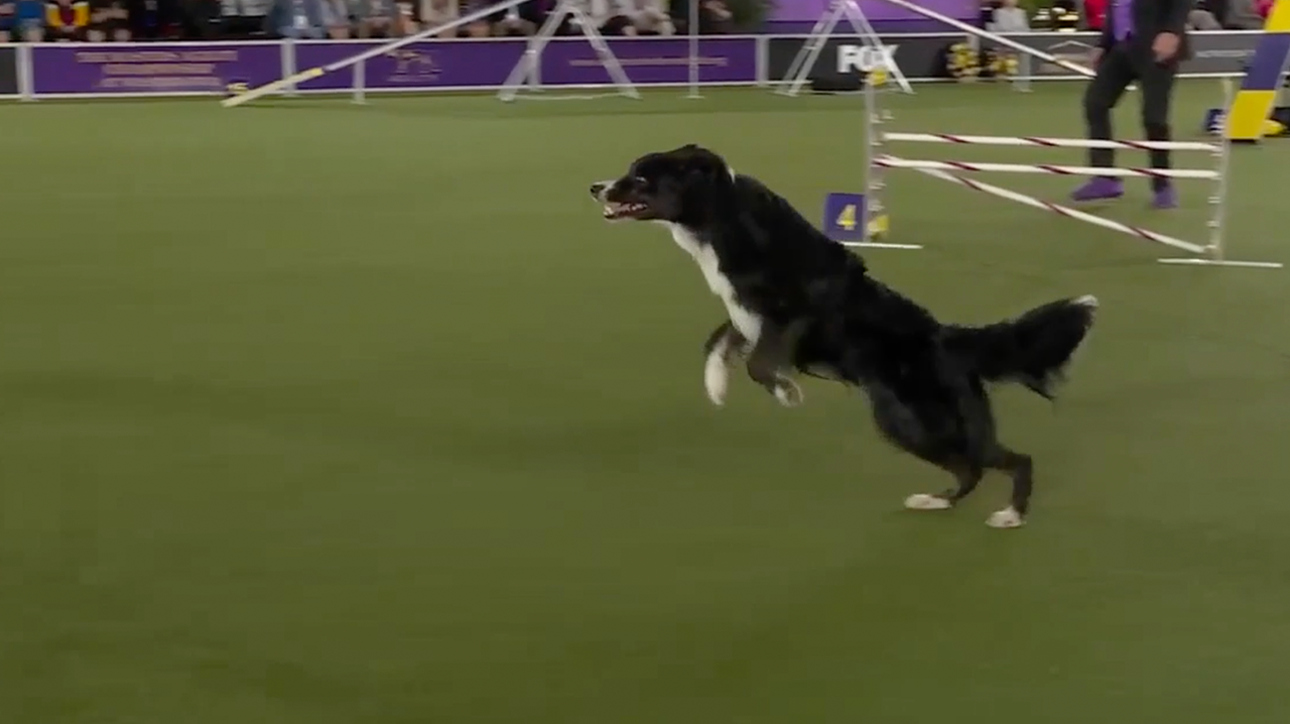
[(377, 18), (1242, 15), (1065, 15), (29, 20), (66, 19), (514, 24), (610, 18), (151, 19), (439, 12), (1008, 18), (108, 21), (646, 17), (480, 28), (1217, 8), (1264, 7), (244, 19), (987, 11), (407, 17), (714, 16), (1095, 14), (336, 19), (8, 9), (1201, 18), (296, 19), (200, 19), (536, 12)]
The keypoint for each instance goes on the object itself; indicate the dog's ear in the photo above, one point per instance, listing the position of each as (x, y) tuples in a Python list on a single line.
[(699, 161)]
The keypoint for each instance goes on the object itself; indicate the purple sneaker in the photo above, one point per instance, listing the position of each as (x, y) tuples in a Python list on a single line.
[(1164, 198), (1099, 188)]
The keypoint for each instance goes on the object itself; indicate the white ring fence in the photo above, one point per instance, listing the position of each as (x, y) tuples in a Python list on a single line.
[(1210, 253)]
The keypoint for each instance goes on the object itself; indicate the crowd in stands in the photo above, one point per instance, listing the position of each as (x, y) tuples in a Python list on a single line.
[(1230, 14), (121, 20), (1006, 16)]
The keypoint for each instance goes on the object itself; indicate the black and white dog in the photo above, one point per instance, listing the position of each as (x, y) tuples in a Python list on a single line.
[(798, 301)]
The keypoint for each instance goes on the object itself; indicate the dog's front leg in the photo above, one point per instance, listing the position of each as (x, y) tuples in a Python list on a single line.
[(723, 345), (771, 362)]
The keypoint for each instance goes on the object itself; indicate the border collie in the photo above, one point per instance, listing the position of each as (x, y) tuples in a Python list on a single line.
[(797, 301)]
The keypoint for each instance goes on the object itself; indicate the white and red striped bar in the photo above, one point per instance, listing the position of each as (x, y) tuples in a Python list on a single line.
[(1043, 168), (1050, 142), (1067, 211)]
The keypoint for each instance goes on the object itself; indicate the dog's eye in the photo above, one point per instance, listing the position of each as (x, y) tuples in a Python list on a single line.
[(640, 182)]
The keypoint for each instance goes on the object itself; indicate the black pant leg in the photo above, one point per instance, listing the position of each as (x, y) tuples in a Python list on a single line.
[(1114, 74), (1157, 81)]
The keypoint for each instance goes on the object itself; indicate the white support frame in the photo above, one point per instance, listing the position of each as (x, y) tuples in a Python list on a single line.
[(820, 35), (528, 71), (692, 23), (291, 78)]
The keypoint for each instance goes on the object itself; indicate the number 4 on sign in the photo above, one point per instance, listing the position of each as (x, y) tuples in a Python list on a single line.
[(847, 220), (844, 217)]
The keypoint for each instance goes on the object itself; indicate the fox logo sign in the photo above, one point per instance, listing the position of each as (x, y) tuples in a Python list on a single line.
[(865, 58)]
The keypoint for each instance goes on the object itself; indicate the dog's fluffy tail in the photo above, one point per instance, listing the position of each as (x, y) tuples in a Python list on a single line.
[(1033, 349)]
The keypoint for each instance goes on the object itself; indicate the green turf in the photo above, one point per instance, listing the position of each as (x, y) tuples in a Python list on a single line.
[(319, 414)]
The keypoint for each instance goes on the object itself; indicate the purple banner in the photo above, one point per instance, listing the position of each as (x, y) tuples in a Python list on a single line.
[(153, 67), (876, 10), (487, 63)]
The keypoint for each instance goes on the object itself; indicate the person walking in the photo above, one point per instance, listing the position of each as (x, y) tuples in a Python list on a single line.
[(1143, 41)]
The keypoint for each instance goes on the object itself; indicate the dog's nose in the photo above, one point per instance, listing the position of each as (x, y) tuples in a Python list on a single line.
[(598, 188)]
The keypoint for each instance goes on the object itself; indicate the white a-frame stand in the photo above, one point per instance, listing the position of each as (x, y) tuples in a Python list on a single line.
[(878, 56), (527, 72)]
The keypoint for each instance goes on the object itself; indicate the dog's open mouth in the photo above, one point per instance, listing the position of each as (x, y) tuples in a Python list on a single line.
[(613, 211)]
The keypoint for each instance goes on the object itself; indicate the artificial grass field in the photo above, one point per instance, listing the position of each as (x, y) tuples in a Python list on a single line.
[(320, 414)]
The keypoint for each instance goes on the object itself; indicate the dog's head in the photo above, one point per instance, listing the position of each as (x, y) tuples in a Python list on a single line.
[(671, 186)]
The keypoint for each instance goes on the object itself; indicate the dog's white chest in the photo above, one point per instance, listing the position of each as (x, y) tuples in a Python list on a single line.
[(747, 322)]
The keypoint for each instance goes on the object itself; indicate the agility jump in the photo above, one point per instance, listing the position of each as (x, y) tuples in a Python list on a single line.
[(877, 160)]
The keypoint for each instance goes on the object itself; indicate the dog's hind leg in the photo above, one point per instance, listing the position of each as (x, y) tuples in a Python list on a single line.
[(966, 476), (943, 446), (770, 363), (722, 346), (1020, 468)]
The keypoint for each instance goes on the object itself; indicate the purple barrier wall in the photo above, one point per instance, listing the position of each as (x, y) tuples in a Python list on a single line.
[(437, 64), (461, 64), (152, 68), (143, 69), (797, 16)]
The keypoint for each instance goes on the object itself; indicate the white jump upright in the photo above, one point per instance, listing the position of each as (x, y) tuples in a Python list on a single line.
[(800, 69), (527, 72)]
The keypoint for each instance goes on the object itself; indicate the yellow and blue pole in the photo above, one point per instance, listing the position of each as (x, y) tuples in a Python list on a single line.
[(1248, 116)]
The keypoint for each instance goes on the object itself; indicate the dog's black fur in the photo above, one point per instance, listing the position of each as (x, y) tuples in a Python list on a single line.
[(822, 314)]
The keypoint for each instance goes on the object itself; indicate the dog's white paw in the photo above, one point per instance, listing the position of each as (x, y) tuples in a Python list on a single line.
[(788, 393), (716, 378), (923, 501), (1006, 518)]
